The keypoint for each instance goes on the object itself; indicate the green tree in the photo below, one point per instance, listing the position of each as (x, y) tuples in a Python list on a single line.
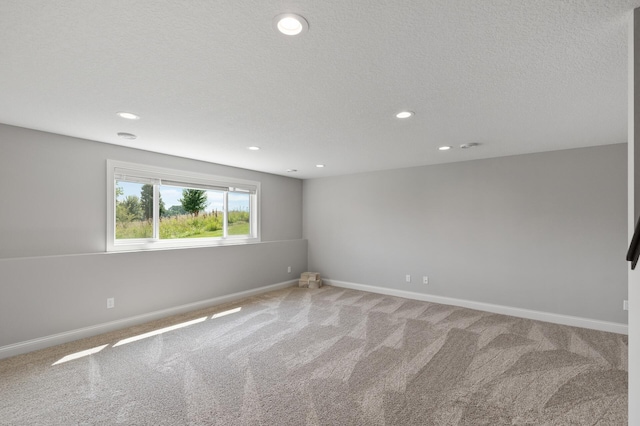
[(133, 208), (122, 214), (146, 202), (175, 211), (194, 200)]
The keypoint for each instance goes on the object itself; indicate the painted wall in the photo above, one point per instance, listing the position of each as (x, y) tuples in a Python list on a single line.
[(544, 232), (52, 190), (633, 179), (54, 273)]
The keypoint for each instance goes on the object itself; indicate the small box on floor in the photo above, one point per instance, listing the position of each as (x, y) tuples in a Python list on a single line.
[(310, 280)]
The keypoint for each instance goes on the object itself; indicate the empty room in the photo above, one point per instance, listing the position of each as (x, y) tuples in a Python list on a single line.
[(319, 213)]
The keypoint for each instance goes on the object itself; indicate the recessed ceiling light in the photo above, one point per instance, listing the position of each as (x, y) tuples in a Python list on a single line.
[(290, 24), (319, 166), (444, 148), (404, 114), (291, 170), (129, 136), (128, 115), (253, 148)]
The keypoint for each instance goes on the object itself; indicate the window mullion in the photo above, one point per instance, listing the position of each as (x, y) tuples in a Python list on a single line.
[(252, 215), (225, 204), (156, 212)]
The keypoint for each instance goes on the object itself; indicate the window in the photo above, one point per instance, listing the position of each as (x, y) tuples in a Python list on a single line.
[(152, 207)]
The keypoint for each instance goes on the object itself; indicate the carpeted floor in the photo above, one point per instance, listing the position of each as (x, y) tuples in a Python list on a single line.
[(326, 357)]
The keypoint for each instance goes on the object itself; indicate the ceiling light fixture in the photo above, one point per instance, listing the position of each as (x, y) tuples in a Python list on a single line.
[(290, 24), (128, 136), (291, 170), (128, 115), (469, 145), (253, 148), (444, 148), (404, 114), (319, 166)]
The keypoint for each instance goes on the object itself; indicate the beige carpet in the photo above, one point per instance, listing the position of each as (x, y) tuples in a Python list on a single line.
[(326, 357)]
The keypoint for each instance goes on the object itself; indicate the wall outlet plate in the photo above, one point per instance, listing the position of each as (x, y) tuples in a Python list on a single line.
[(111, 302), (407, 278), (625, 305), (425, 280)]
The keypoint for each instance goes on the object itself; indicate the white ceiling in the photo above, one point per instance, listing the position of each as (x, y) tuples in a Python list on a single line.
[(210, 78)]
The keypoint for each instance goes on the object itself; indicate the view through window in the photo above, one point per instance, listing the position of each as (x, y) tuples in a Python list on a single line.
[(151, 206)]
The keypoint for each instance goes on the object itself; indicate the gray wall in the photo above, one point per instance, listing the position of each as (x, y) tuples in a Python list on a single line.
[(54, 274), (545, 231), (633, 156), (52, 190)]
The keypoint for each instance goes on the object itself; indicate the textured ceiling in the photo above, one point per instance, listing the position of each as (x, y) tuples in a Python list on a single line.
[(211, 78)]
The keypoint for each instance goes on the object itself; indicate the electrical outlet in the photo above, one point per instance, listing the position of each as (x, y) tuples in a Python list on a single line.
[(625, 305), (288, 269), (111, 302), (425, 280), (407, 278)]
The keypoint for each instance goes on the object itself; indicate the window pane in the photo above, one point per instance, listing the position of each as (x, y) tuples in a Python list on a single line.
[(134, 210), (239, 219), (190, 213)]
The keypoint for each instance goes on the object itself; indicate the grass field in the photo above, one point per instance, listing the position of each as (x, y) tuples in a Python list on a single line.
[(238, 228), (185, 226)]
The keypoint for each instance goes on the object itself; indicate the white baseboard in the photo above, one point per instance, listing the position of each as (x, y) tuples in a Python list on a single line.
[(80, 333), (612, 327)]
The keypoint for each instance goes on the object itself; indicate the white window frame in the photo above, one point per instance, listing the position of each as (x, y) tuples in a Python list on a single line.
[(159, 174)]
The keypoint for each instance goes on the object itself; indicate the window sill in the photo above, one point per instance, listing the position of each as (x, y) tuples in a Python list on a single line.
[(169, 245)]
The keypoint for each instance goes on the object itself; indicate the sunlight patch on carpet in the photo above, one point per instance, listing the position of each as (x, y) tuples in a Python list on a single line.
[(224, 313), (159, 331), (80, 354)]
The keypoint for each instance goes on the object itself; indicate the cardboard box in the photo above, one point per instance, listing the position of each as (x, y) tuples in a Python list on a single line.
[(310, 280)]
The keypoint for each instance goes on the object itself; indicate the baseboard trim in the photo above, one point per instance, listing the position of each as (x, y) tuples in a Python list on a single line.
[(80, 333), (612, 327)]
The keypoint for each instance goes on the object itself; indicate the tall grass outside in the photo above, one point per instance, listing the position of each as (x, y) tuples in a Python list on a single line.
[(206, 225)]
